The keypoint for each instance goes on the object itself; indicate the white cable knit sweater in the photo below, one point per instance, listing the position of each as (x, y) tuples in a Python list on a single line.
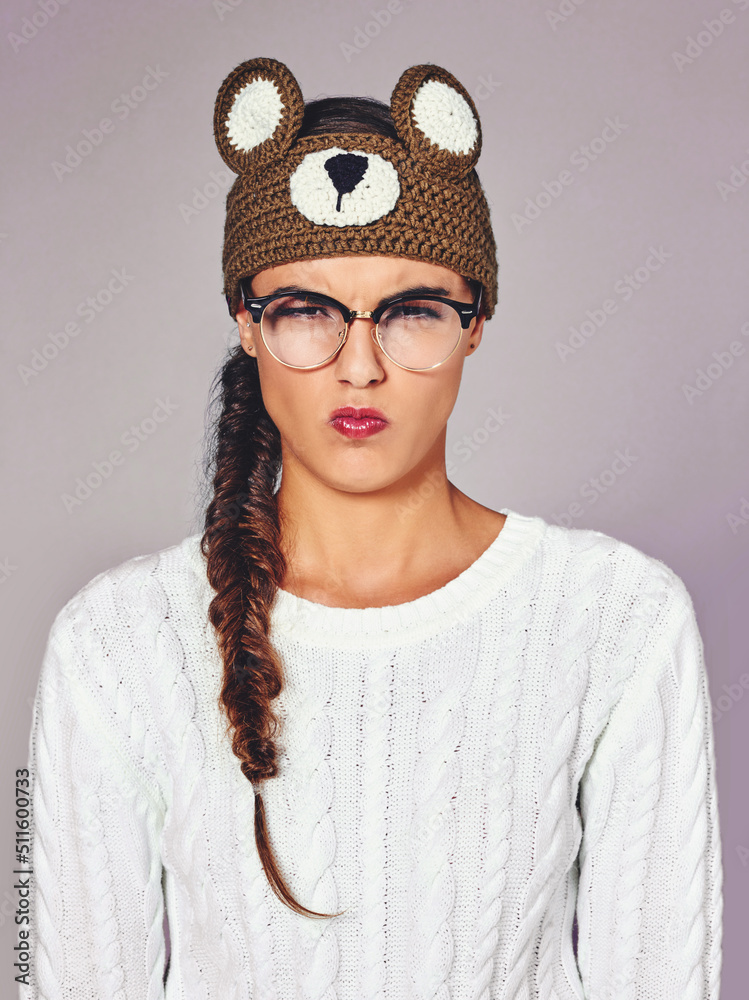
[(462, 774)]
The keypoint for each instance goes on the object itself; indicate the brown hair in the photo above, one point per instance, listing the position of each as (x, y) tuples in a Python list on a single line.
[(242, 533)]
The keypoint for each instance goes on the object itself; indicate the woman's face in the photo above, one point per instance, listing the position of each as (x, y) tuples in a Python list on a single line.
[(417, 404)]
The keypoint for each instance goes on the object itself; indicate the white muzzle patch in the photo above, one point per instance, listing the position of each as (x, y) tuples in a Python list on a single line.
[(344, 187)]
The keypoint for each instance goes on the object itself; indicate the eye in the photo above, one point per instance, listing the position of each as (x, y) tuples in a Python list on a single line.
[(301, 307), (415, 309)]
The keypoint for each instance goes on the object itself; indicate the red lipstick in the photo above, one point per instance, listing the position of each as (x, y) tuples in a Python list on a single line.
[(355, 422)]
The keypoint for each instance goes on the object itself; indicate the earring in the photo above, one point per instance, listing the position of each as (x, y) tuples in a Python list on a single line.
[(249, 349)]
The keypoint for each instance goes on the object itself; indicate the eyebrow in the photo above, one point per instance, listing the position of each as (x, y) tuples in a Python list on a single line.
[(411, 290)]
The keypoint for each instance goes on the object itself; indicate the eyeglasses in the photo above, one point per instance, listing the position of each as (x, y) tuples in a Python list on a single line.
[(306, 329)]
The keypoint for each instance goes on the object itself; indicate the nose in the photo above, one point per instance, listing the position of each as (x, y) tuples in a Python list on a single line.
[(364, 315), (345, 171), (357, 364)]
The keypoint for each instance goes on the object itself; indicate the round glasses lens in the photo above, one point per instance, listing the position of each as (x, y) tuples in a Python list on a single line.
[(419, 333), (302, 330)]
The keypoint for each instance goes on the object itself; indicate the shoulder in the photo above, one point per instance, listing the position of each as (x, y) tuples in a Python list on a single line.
[(135, 592), (628, 605), (617, 569), (123, 644), (642, 636), (132, 620)]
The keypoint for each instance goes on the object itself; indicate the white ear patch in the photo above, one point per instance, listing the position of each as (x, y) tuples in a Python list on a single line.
[(254, 115), (445, 117), (344, 187)]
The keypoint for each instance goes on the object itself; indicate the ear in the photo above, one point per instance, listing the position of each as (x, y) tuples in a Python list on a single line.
[(258, 111), (246, 333), (437, 120), (477, 333)]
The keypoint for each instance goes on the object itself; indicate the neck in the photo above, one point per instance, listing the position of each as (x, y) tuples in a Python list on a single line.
[(376, 546)]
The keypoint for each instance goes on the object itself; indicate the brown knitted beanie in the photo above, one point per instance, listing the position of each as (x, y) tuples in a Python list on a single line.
[(343, 193)]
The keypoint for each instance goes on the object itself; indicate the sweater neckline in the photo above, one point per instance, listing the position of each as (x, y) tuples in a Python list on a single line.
[(458, 600), (436, 611)]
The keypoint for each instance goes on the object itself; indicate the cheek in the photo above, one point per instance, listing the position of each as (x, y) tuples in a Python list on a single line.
[(437, 399), (432, 406), (422, 406), (294, 403)]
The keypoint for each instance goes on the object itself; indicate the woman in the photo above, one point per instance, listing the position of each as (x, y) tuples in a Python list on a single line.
[(365, 736)]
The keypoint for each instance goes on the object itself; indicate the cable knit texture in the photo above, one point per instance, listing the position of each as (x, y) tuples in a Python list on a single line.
[(466, 775)]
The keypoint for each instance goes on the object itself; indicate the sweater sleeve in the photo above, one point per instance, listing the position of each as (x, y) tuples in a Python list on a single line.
[(96, 892), (649, 905)]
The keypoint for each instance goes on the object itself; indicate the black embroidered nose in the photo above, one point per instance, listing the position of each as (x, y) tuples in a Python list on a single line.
[(346, 170)]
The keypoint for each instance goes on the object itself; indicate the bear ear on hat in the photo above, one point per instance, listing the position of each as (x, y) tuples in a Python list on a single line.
[(437, 120), (258, 111)]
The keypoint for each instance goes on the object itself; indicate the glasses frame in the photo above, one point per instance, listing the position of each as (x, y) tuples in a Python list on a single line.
[(256, 305)]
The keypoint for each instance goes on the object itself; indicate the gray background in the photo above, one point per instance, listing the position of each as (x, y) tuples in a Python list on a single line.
[(544, 86)]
